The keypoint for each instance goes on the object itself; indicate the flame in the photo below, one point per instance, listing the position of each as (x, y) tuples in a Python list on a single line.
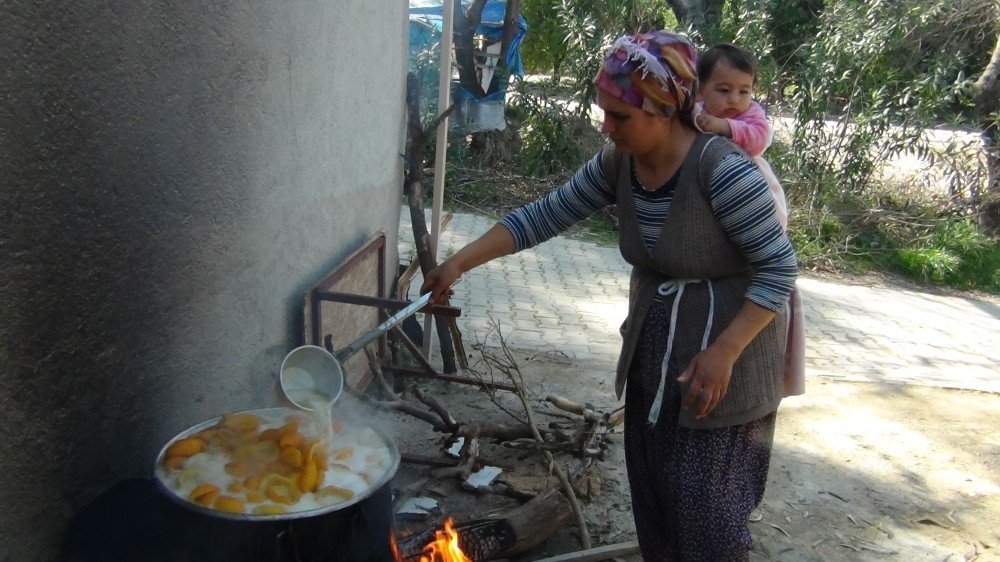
[(397, 555), (445, 546)]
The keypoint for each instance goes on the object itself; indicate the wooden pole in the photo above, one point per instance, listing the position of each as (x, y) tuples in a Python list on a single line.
[(440, 152)]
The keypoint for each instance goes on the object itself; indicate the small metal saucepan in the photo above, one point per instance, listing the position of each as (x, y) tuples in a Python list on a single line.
[(312, 377)]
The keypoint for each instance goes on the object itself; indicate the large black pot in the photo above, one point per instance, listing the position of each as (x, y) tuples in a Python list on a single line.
[(357, 530)]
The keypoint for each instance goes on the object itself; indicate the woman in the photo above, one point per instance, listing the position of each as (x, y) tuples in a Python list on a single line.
[(712, 268)]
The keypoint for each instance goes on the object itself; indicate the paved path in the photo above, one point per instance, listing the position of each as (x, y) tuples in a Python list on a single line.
[(570, 296)]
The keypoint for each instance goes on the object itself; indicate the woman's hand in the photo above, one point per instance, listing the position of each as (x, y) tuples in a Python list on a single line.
[(709, 374), (439, 281), (498, 241), (710, 370)]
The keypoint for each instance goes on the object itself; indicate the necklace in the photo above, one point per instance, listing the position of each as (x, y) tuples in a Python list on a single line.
[(635, 176)]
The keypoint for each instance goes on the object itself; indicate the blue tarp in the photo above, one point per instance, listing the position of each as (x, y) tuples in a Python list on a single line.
[(426, 24)]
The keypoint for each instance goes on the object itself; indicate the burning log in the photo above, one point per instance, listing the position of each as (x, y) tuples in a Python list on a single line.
[(490, 539)]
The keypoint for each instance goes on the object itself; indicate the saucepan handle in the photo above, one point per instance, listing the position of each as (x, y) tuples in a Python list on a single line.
[(390, 323)]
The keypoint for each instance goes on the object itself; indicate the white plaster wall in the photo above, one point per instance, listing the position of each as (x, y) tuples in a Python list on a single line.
[(173, 175)]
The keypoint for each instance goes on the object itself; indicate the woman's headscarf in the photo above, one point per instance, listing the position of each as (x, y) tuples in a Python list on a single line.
[(654, 71)]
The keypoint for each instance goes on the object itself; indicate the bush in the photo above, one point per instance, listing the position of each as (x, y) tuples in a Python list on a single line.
[(568, 37), (553, 139), (865, 78), (954, 253)]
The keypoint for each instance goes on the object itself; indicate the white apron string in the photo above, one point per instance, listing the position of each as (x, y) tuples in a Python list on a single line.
[(668, 288)]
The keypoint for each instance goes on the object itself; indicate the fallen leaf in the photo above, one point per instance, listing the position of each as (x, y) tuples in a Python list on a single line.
[(928, 520), (780, 529), (828, 492), (874, 547)]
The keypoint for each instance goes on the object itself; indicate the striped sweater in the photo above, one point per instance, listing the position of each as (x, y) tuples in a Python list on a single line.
[(740, 200)]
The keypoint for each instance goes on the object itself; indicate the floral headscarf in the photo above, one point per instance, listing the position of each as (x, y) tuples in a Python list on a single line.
[(654, 71)]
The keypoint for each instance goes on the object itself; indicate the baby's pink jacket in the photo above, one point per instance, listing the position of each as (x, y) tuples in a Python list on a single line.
[(751, 131)]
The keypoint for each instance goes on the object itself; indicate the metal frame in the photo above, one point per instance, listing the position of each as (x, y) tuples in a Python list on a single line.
[(322, 293)]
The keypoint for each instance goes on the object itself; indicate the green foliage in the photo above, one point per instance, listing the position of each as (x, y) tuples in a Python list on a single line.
[(915, 240), (888, 229), (552, 139), (865, 78), (859, 82), (601, 229), (865, 91), (954, 253), (568, 37)]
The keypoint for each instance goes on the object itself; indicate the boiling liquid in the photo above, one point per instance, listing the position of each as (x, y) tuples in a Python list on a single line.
[(302, 389), (322, 410), (367, 462)]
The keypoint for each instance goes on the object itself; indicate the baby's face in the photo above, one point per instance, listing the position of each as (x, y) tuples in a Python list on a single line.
[(727, 91)]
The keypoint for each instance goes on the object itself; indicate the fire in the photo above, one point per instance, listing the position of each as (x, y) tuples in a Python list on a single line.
[(445, 546)]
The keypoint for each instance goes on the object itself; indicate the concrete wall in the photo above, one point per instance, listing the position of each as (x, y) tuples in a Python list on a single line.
[(172, 176)]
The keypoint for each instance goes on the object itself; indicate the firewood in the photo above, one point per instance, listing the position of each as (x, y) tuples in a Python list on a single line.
[(470, 459), (529, 485), (516, 531), (567, 405), (506, 364), (504, 433), (436, 406), (616, 418)]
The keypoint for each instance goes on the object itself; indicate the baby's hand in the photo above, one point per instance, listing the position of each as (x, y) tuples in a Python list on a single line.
[(711, 124)]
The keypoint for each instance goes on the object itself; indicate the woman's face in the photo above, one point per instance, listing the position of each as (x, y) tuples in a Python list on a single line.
[(633, 131)]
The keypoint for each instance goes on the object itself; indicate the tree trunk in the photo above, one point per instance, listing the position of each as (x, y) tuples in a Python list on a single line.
[(464, 35), (987, 108), (414, 191), (704, 17)]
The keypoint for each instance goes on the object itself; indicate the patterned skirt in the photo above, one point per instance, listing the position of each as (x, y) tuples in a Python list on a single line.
[(692, 489)]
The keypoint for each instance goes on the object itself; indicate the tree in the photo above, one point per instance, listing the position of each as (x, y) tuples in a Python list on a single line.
[(704, 17), (988, 112)]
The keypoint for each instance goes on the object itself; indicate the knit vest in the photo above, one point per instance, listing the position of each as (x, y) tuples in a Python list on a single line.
[(693, 246)]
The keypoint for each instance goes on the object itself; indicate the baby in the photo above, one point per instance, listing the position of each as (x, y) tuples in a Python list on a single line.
[(726, 77)]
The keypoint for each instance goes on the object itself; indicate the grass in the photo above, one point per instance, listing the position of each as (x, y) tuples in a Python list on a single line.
[(954, 253), (917, 240)]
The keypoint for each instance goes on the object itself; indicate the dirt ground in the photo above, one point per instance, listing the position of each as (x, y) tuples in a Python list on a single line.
[(859, 472)]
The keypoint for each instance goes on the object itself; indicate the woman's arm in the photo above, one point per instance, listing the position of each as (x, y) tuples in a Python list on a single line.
[(497, 242), (586, 192), (581, 196), (745, 208), (578, 198)]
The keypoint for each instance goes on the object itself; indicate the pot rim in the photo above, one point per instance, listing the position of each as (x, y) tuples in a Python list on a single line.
[(376, 486)]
